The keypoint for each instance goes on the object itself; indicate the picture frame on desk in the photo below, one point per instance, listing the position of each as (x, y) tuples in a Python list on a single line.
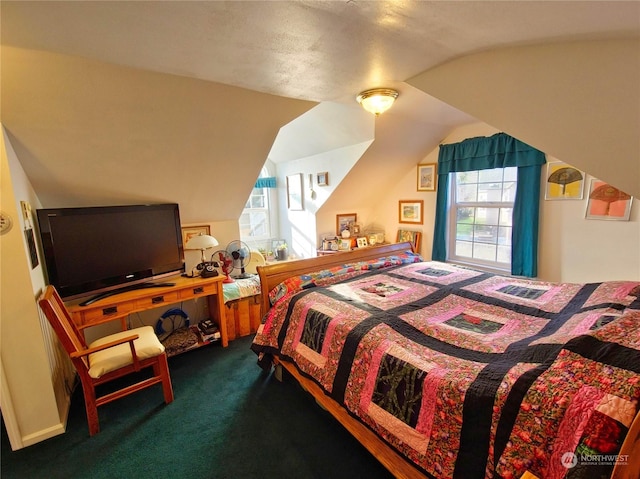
[(362, 242), (344, 221), (345, 244)]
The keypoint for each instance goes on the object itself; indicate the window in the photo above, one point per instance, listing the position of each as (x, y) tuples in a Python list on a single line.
[(255, 220), (480, 220), (499, 151)]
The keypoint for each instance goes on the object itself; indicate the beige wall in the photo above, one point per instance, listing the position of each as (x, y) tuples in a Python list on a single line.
[(571, 248), (578, 101), (28, 401)]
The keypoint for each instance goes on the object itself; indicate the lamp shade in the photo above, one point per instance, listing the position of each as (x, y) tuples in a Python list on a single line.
[(377, 100), (201, 242)]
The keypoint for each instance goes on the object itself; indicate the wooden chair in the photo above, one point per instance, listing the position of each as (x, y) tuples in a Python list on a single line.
[(107, 358)]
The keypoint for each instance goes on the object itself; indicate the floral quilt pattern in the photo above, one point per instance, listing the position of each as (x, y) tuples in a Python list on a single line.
[(468, 374)]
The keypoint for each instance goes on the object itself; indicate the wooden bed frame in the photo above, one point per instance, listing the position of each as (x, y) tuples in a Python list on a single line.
[(274, 274)]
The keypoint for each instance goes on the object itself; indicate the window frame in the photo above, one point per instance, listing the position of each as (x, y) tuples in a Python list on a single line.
[(452, 230), (269, 197)]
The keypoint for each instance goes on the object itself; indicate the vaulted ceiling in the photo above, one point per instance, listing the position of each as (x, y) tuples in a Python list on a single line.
[(108, 100)]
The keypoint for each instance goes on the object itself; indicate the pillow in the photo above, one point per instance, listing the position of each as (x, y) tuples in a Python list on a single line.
[(147, 346), (306, 281)]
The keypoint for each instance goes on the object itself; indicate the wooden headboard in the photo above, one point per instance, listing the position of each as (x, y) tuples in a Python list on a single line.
[(274, 274)]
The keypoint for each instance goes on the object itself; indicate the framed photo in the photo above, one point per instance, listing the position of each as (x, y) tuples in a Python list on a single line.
[(564, 182), (190, 231), (343, 222), (607, 202), (410, 211), (33, 251), (294, 192), (322, 178), (412, 237), (345, 244), (427, 177), (362, 242)]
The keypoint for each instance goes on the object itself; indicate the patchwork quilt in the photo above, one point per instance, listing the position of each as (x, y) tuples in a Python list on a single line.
[(469, 374)]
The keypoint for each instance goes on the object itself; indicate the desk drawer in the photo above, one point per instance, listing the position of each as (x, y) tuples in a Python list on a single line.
[(158, 300), (110, 311), (199, 290)]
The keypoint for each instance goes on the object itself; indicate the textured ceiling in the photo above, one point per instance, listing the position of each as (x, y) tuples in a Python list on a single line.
[(302, 52), (318, 51)]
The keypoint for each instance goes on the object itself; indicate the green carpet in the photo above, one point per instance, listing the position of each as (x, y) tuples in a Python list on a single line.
[(229, 420)]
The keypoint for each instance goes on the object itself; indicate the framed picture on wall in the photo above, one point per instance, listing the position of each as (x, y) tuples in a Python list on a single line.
[(607, 202), (190, 231), (427, 177), (322, 178), (564, 182), (410, 211), (294, 192)]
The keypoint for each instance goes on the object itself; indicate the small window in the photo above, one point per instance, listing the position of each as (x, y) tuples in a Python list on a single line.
[(480, 217), (255, 220)]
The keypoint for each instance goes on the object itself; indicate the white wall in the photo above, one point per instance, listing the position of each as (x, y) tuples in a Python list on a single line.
[(301, 229)]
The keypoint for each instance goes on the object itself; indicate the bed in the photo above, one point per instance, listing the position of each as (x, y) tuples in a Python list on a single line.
[(444, 371)]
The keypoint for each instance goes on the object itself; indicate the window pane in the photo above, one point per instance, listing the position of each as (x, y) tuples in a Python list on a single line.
[(506, 215), (504, 236), (466, 177), (464, 249), (257, 202), (464, 231), (485, 234), (490, 176), (487, 216), (465, 215), (509, 192), (467, 193), (511, 173), (504, 254), (489, 191), (486, 252)]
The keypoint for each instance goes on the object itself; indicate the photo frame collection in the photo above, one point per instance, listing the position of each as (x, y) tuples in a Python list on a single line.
[(604, 202)]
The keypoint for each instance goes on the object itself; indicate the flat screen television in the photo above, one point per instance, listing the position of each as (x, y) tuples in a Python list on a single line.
[(102, 250)]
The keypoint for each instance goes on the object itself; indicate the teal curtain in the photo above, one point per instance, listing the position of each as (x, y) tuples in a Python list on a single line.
[(267, 182), (497, 151)]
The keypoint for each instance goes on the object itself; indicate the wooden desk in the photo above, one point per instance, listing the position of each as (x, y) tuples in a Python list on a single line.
[(121, 305)]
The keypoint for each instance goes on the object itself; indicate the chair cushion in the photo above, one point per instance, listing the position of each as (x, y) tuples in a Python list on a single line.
[(107, 360)]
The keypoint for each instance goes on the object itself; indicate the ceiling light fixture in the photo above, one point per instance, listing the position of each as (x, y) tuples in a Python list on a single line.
[(377, 100)]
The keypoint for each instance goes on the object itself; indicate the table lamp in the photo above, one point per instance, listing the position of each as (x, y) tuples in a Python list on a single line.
[(201, 242)]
